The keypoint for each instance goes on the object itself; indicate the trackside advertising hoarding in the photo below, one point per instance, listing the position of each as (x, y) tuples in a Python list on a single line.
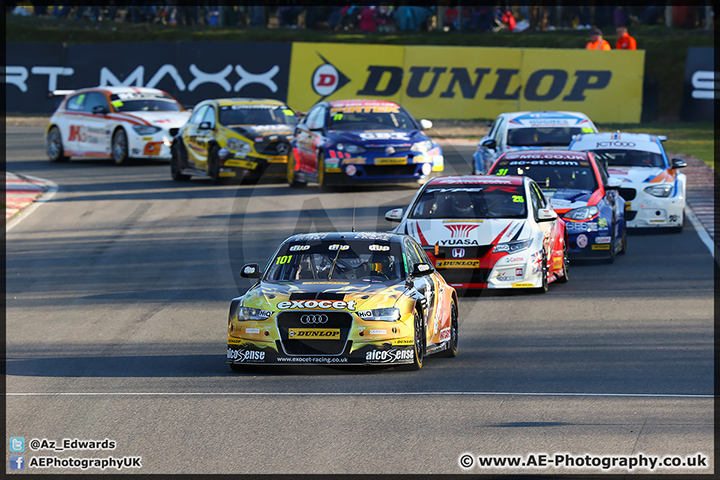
[(700, 86), (471, 82)]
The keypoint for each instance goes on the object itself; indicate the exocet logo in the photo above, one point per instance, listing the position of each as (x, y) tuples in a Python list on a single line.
[(243, 355), (615, 143), (311, 304), (389, 356)]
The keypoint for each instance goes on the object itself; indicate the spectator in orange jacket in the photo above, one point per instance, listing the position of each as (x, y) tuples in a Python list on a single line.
[(624, 41), (596, 41)]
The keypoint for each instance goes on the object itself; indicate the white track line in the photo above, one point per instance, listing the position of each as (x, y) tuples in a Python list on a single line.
[(353, 394), (701, 231), (44, 197)]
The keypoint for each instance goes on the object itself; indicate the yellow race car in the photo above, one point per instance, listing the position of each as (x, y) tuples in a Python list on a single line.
[(234, 138)]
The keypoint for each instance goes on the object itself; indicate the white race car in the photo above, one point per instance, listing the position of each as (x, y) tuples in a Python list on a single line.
[(485, 231), (653, 189), (116, 122), (528, 131)]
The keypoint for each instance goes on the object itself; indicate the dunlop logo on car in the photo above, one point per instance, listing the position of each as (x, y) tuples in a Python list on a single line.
[(241, 164), (314, 333), (522, 285), (391, 161), (407, 341), (458, 264), (601, 247)]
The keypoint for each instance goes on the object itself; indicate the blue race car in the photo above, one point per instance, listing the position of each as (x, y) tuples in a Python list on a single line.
[(362, 141), (581, 193)]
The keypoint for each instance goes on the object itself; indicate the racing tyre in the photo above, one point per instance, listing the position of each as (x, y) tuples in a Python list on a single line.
[(321, 171), (292, 181), (214, 165), (120, 147), (566, 265), (419, 345), (680, 228), (177, 163), (452, 351), (623, 242), (544, 272), (55, 150)]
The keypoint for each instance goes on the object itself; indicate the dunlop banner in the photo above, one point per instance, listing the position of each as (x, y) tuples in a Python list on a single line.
[(471, 82)]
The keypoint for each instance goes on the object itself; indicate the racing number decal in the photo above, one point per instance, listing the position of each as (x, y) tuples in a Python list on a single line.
[(502, 171), (282, 260), (518, 198)]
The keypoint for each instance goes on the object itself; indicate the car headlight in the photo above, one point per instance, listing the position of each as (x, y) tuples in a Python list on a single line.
[(582, 213), (146, 129), (381, 315), (350, 148), (247, 314), (512, 247), (662, 190), (422, 147), (238, 145)]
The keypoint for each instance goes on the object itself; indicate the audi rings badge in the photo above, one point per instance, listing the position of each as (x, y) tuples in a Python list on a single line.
[(314, 319)]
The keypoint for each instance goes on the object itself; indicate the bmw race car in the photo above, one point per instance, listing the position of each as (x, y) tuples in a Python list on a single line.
[(114, 122), (343, 298), (528, 131), (580, 191), (653, 189), (487, 232), (362, 141), (239, 138)]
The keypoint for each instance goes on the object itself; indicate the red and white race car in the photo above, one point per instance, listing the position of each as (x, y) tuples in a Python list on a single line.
[(116, 122), (484, 231)]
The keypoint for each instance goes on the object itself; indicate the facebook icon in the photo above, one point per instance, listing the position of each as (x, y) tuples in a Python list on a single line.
[(17, 462)]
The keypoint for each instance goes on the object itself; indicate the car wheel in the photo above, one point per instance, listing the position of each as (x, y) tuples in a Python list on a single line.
[(452, 351), (566, 264), (418, 345), (321, 171), (55, 151), (120, 147), (291, 177), (214, 165), (680, 228), (623, 242), (544, 273), (611, 258), (177, 163)]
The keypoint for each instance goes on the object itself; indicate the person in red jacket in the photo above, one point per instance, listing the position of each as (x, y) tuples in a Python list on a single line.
[(624, 41), (596, 41)]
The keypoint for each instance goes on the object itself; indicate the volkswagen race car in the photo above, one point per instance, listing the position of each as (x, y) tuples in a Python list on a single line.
[(362, 141), (528, 131), (580, 191), (343, 298), (114, 122), (653, 189), (234, 138), (487, 232)]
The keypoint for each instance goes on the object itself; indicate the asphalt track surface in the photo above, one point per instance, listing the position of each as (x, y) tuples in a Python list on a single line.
[(117, 297)]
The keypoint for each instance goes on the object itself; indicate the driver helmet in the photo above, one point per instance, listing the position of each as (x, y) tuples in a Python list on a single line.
[(462, 204)]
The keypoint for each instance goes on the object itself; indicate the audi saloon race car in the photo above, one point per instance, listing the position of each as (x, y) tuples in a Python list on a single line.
[(653, 189), (487, 232), (343, 298), (114, 122), (239, 138), (528, 131), (580, 191), (362, 141)]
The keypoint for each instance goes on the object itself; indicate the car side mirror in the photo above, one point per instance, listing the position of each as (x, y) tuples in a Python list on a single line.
[(250, 270), (394, 215), (421, 269), (489, 143), (613, 184), (205, 126), (426, 124), (546, 215), (678, 163), (99, 110)]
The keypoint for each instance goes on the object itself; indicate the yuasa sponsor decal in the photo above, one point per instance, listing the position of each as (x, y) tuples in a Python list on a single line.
[(244, 355), (312, 304), (314, 333), (458, 241), (389, 356), (460, 231), (457, 263)]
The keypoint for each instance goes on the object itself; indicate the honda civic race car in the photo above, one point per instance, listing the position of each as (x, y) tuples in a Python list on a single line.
[(239, 138), (362, 141), (487, 232), (343, 298), (580, 191), (528, 131), (114, 122), (653, 189)]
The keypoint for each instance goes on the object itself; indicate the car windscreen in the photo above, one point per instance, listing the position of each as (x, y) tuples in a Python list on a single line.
[(364, 118), (365, 261), (551, 174), (144, 102), (232, 115), (541, 136), (628, 158), (476, 201)]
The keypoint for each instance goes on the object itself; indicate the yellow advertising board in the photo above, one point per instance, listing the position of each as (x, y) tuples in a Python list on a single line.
[(471, 82)]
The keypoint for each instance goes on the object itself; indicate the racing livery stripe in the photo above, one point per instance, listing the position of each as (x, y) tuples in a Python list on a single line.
[(423, 240), (128, 118), (596, 197), (70, 153)]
